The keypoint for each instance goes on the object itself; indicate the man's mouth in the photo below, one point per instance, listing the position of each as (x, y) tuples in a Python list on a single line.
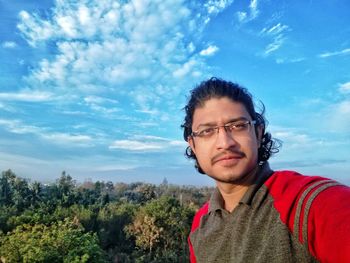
[(225, 158)]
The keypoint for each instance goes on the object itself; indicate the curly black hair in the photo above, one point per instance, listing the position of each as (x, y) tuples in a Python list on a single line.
[(218, 88)]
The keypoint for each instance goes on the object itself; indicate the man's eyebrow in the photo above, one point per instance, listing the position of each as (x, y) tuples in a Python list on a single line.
[(213, 124)]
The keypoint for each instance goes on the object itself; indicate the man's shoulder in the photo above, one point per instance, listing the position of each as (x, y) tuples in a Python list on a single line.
[(288, 188), (315, 210), (288, 182), (295, 194)]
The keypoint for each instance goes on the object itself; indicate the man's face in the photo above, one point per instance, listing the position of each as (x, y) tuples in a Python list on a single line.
[(224, 156)]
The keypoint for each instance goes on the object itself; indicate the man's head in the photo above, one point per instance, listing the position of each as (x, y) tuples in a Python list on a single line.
[(226, 135)]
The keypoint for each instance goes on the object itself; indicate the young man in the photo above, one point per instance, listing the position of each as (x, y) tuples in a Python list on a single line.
[(256, 214)]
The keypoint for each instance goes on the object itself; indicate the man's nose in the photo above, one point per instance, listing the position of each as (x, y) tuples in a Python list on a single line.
[(224, 139)]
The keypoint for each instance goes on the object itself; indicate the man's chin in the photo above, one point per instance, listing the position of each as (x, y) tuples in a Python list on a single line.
[(233, 179), (243, 178)]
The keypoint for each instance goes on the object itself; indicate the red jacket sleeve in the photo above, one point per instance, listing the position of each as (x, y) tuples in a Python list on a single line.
[(323, 221), (329, 225)]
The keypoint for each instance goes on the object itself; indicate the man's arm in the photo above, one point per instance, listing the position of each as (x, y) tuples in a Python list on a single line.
[(328, 228)]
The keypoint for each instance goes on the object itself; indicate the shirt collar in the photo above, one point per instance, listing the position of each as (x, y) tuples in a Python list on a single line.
[(216, 201)]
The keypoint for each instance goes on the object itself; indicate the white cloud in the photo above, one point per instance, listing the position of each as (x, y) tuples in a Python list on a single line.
[(336, 53), (295, 139), (209, 51), (115, 47), (150, 137), (344, 88), (275, 30), (146, 143), (115, 167), (277, 33), (254, 8), (136, 145), (18, 127), (26, 95), (296, 60), (185, 69), (275, 45), (67, 138), (244, 17), (216, 6), (105, 106), (99, 100), (337, 116), (9, 44), (344, 108), (7, 108)]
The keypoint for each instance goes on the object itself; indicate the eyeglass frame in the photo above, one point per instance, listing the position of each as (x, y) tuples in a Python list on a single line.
[(226, 126)]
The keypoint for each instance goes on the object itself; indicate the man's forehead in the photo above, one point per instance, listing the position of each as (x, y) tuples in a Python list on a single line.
[(206, 104), (219, 109)]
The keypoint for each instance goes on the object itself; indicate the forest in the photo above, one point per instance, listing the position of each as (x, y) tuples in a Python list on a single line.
[(66, 221)]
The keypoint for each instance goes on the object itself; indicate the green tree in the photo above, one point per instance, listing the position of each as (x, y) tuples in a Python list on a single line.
[(64, 241), (111, 221), (6, 187), (66, 189), (36, 189), (160, 229)]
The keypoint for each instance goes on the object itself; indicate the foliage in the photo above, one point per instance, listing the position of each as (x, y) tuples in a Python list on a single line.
[(161, 228), (95, 221), (110, 219), (64, 241)]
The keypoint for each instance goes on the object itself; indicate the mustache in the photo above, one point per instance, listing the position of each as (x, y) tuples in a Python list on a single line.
[(218, 156)]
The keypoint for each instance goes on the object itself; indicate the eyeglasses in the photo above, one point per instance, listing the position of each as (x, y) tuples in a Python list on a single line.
[(236, 128)]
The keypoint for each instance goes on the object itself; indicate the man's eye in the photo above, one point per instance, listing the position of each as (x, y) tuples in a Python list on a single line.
[(238, 126), (207, 132)]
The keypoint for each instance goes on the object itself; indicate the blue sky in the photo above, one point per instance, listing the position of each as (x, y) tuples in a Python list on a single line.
[(97, 87)]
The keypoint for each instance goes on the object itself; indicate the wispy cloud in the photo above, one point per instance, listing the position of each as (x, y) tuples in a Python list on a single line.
[(146, 143), (344, 88), (338, 113), (59, 138), (26, 95), (8, 44), (99, 100), (275, 45), (294, 60), (136, 145), (7, 108), (331, 115), (335, 53), (115, 167), (105, 106), (251, 14), (16, 126), (274, 30), (67, 138), (209, 51), (120, 48), (277, 33), (295, 139), (340, 116), (216, 6)]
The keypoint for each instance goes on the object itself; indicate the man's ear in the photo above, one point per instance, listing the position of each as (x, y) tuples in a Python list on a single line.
[(191, 144)]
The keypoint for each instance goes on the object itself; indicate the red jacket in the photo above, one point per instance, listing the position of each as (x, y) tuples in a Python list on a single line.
[(315, 211)]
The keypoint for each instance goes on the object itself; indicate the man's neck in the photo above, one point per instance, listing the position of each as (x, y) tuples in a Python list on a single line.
[(232, 193)]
